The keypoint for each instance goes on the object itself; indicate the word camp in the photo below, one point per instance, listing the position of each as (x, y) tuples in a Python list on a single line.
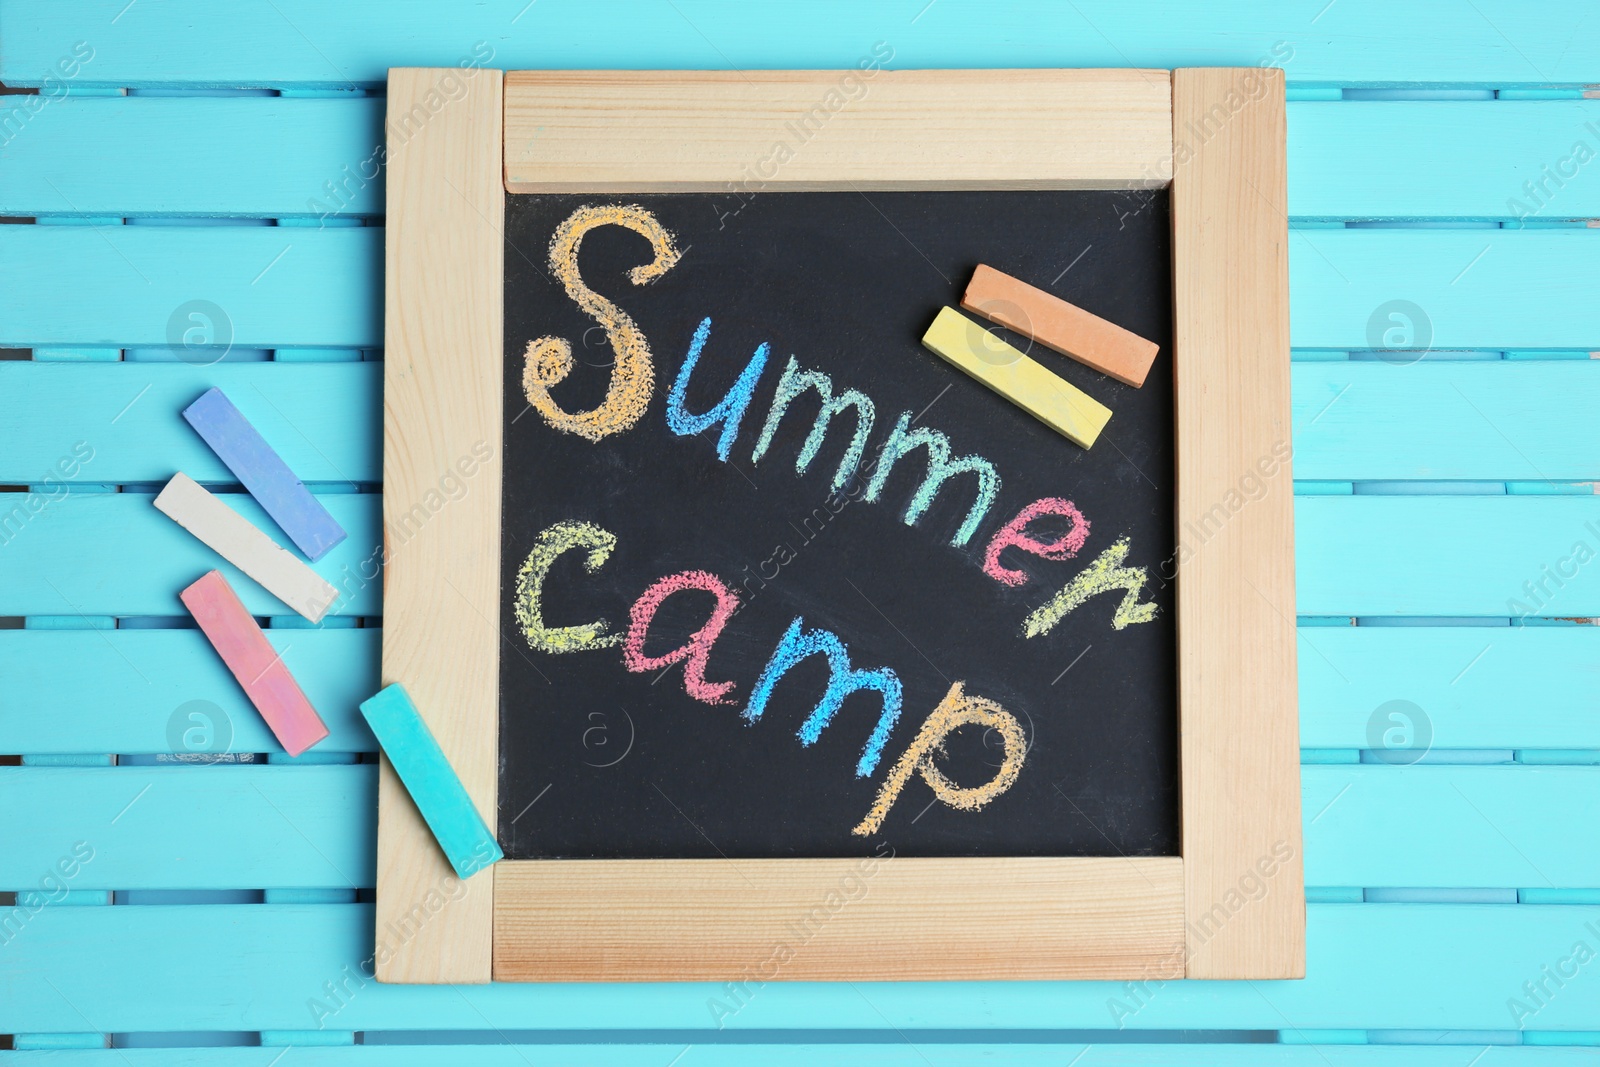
[(549, 360)]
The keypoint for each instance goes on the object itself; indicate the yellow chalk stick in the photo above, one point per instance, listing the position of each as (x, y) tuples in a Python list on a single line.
[(1057, 403)]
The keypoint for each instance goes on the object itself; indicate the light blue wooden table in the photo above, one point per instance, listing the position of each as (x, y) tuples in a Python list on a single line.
[(180, 182)]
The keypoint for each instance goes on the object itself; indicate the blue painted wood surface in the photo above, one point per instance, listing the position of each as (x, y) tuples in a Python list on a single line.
[(199, 827), (1492, 289), (264, 157), (1502, 420), (916, 1049), (1475, 685), (1368, 420), (1438, 159), (1520, 425), (162, 678), (1454, 826), (1359, 555), (250, 286)]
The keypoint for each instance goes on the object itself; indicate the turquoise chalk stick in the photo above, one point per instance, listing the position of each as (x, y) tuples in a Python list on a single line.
[(431, 781), (264, 473)]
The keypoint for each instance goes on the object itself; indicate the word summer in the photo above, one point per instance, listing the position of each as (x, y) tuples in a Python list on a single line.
[(548, 361)]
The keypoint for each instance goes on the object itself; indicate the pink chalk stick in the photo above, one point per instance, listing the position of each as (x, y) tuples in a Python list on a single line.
[(254, 662)]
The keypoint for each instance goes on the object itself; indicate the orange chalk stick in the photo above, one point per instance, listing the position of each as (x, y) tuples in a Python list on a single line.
[(1058, 325), (254, 662)]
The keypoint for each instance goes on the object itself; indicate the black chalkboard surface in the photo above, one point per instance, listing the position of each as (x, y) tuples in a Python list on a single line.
[(600, 761)]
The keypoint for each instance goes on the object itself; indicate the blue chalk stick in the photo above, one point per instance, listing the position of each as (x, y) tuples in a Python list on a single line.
[(431, 781), (264, 473)]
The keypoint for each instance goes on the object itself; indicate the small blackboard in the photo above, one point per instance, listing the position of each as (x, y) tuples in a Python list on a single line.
[(599, 760)]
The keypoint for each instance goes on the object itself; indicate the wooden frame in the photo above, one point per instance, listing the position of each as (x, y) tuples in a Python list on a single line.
[(1233, 905), (443, 296)]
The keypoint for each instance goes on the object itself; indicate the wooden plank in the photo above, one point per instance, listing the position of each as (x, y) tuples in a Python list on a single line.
[(1473, 685), (1470, 288), (324, 419), (1526, 292), (265, 475), (160, 678), (254, 662), (1502, 420), (1236, 646), (192, 827), (271, 157), (244, 544), (301, 42), (988, 359), (1059, 325), (1447, 555), (769, 131), (914, 1051), (1484, 688), (1470, 827), (254, 967), (146, 557), (1347, 565), (430, 781), (830, 919), (1521, 420), (442, 396), (1427, 159), (266, 287)]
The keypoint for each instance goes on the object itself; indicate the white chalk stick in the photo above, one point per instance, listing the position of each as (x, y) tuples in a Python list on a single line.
[(237, 540)]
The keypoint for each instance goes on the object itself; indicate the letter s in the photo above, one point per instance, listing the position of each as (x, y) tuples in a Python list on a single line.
[(548, 360)]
